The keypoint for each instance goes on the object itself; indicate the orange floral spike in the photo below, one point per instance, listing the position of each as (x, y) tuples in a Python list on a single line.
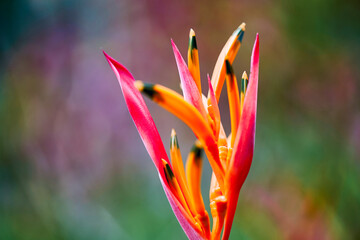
[(193, 176), (234, 100), (176, 159), (175, 103), (179, 171), (193, 59), (230, 156), (228, 52), (244, 84), (174, 186)]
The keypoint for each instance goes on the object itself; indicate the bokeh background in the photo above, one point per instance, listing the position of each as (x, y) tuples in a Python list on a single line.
[(72, 165)]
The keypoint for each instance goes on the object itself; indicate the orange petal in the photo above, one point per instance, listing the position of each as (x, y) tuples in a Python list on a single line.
[(229, 52), (234, 100), (193, 59), (175, 103)]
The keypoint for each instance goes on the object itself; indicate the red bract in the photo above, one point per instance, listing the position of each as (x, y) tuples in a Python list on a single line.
[(230, 156)]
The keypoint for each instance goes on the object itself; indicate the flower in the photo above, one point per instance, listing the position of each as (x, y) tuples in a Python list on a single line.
[(230, 156)]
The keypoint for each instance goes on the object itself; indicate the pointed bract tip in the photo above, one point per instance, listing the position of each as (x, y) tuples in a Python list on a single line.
[(108, 58), (198, 144), (192, 33), (255, 51), (244, 75), (175, 50), (174, 141), (139, 85), (167, 168), (242, 26), (192, 40), (239, 32), (256, 44)]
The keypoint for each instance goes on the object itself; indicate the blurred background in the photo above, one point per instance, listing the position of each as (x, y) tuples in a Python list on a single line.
[(72, 165)]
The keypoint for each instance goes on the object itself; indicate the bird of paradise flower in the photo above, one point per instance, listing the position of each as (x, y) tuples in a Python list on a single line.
[(230, 156)]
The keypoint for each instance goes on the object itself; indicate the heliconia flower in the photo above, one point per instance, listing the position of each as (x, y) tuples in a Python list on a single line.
[(229, 156)]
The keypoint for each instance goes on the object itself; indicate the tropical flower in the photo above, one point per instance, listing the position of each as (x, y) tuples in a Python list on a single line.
[(230, 156)]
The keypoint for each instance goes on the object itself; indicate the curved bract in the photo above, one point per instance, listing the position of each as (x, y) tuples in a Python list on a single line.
[(230, 156)]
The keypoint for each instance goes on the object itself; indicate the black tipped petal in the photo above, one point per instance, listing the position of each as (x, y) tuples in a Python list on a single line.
[(198, 151), (193, 44), (169, 171), (148, 90), (229, 69)]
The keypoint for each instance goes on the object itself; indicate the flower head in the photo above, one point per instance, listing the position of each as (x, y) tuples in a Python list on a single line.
[(230, 156)]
